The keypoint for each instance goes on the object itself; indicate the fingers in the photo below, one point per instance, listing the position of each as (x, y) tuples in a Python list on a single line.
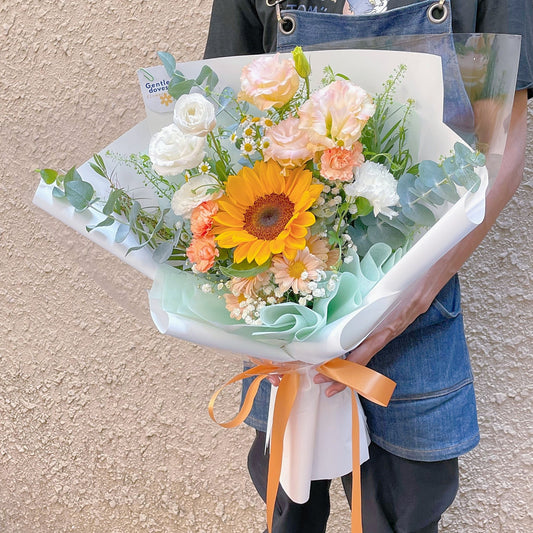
[(335, 388), (320, 378), (275, 379)]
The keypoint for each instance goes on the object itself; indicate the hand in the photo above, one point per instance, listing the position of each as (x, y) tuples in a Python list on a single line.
[(501, 191), (414, 303)]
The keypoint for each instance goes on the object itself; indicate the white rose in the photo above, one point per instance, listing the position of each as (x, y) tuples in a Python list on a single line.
[(171, 151), (374, 182), (194, 114), (193, 192)]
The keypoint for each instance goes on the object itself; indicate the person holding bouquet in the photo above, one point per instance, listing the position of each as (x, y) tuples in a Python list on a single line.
[(412, 475)]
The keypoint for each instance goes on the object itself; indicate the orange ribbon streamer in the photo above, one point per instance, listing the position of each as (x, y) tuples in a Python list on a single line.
[(361, 379)]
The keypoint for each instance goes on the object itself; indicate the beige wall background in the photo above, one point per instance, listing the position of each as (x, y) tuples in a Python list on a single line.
[(103, 421)]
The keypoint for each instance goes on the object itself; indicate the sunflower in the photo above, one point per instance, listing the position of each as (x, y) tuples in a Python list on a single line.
[(264, 212)]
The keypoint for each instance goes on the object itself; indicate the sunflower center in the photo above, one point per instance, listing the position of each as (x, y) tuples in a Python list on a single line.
[(296, 269), (268, 216)]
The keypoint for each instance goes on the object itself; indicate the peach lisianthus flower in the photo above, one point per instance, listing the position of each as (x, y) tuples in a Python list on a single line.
[(249, 287), (296, 273), (288, 144), (202, 218), (202, 253), (338, 163), (336, 114), (269, 82)]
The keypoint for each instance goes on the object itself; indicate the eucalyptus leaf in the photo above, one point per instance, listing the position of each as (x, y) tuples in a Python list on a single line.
[(58, 193), (163, 252), (79, 193), (383, 232), (168, 62), (419, 214), (72, 175), (135, 248), (208, 75), (226, 96), (48, 175), (123, 231), (179, 88), (109, 221), (134, 213), (109, 207)]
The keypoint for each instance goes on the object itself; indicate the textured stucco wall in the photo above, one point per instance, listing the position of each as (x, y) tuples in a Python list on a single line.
[(103, 423)]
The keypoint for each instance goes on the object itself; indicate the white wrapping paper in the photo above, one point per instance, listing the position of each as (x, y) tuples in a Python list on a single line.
[(318, 437)]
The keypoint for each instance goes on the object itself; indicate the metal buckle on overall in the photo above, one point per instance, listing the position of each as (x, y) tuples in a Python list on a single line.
[(438, 12), (287, 23)]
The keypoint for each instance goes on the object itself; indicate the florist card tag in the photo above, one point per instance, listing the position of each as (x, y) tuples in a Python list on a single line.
[(158, 103)]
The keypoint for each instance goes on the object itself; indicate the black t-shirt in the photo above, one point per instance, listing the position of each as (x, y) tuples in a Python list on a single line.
[(240, 27)]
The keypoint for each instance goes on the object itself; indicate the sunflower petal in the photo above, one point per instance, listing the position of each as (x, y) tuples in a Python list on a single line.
[(253, 250), (239, 254), (225, 219), (264, 253), (298, 231), (231, 208), (304, 219), (231, 238)]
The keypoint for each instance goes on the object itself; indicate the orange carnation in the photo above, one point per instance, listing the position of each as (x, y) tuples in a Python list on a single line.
[(202, 253), (202, 218)]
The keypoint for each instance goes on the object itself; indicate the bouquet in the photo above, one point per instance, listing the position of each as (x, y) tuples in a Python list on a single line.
[(281, 219)]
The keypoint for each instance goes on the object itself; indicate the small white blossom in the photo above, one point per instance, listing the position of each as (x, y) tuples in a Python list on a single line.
[(248, 147), (278, 292), (302, 300), (348, 259), (204, 167)]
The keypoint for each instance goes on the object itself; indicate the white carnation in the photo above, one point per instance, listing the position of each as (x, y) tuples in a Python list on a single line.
[(192, 193), (171, 151), (194, 114), (374, 182)]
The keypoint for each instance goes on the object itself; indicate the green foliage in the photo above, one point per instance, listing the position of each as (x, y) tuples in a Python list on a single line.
[(420, 194), (244, 269), (385, 134), (168, 62), (120, 209), (48, 175)]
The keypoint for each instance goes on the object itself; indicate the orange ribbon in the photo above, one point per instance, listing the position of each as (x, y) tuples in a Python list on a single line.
[(361, 379)]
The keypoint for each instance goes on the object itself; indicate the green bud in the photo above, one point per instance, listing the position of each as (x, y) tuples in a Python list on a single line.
[(302, 66)]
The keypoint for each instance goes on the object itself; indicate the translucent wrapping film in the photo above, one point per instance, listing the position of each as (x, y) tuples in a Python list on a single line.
[(449, 117)]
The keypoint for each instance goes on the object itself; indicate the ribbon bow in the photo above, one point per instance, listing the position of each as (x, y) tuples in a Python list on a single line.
[(365, 381)]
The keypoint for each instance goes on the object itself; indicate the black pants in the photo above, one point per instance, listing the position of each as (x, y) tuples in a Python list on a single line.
[(398, 495)]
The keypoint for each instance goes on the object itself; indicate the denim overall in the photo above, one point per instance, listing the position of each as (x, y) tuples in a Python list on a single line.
[(432, 414)]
